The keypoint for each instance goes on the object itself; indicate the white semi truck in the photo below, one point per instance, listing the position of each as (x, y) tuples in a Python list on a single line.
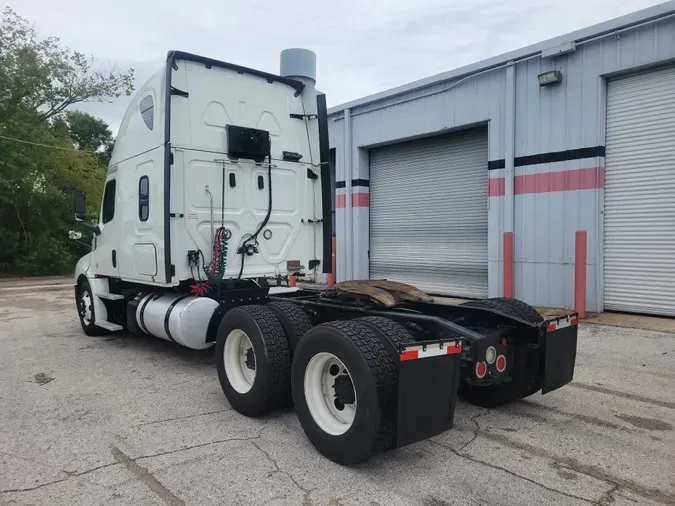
[(218, 188)]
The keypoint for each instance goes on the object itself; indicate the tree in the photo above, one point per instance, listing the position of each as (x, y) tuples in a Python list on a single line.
[(88, 132), (39, 165), (46, 77)]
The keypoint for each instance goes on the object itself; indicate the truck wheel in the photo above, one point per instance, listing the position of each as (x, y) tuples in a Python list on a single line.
[(344, 389), (390, 333), (293, 320), (506, 305), (85, 310), (253, 360), (526, 376)]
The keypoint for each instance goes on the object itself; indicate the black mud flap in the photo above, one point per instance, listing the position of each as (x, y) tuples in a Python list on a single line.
[(428, 379), (560, 351)]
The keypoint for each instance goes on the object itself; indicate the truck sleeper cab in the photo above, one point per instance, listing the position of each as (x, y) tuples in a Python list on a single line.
[(218, 187)]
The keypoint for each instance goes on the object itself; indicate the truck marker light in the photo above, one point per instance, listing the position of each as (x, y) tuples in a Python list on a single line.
[(481, 370), (490, 355), (501, 363), (415, 352)]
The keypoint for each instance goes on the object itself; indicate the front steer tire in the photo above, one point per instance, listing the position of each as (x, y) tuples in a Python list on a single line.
[(526, 374), (271, 387), (373, 374), (84, 294)]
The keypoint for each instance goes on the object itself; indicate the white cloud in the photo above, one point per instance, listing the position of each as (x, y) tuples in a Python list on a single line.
[(362, 47)]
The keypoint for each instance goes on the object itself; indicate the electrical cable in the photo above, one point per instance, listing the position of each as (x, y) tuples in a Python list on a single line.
[(254, 237), (215, 271)]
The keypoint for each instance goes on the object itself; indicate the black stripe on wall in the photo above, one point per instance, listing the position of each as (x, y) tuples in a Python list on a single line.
[(560, 156), (496, 164), (355, 182), (553, 156)]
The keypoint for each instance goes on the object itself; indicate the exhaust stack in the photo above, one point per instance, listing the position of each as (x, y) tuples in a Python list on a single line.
[(298, 64)]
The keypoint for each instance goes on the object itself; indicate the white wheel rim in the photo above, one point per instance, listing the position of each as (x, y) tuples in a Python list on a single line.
[(85, 311), (320, 376), (237, 352)]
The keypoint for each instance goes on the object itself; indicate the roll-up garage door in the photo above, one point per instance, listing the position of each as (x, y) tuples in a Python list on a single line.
[(428, 213), (639, 241)]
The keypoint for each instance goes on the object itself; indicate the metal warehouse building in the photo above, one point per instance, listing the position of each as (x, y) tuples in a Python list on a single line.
[(475, 182)]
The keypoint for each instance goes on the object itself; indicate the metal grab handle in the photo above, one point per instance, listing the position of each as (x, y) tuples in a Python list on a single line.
[(213, 233)]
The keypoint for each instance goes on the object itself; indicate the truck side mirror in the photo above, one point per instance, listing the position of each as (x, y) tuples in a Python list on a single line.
[(79, 205)]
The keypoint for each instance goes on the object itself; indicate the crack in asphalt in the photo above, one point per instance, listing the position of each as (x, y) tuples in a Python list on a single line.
[(306, 501), (146, 477), (508, 471), (608, 497), (585, 469), (476, 431), (180, 418), (200, 445), (623, 395), (68, 474)]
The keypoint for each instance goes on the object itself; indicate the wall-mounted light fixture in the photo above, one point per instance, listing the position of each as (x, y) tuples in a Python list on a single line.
[(551, 77), (552, 52)]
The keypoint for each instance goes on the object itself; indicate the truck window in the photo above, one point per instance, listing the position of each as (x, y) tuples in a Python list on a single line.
[(109, 201), (148, 111), (143, 198)]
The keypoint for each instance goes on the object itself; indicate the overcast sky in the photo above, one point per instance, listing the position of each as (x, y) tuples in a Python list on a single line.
[(362, 46)]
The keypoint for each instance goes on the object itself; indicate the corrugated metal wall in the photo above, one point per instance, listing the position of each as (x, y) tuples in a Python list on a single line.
[(546, 157)]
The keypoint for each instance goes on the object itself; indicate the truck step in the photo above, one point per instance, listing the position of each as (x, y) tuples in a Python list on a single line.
[(110, 296), (112, 327)]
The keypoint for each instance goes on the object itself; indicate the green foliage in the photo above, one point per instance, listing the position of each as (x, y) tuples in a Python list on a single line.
[(45, 153), (89, 133), (46, 77)]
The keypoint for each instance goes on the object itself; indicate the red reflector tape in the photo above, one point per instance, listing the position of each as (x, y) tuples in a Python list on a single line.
[(561, 324), (418, 351), (409, 355)]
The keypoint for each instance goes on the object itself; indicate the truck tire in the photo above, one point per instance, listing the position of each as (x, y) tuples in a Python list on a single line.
[(293, 320), (506, 305), (253, 360), (85, 310), (526, 376), (391, 334), (348, 421)]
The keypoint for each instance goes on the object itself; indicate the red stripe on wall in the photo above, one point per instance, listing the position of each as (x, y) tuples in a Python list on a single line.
[(359, 199), (496, 187), (566, 180), (545, 182)]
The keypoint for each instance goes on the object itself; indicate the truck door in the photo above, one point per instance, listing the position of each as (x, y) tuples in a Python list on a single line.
[(106, 261)]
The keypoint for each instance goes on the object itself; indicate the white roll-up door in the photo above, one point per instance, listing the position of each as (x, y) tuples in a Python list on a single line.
[(639, 240), (428, 213)]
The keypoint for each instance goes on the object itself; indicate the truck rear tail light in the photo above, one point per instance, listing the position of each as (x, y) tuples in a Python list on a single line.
[(501, 363), (481, 370)]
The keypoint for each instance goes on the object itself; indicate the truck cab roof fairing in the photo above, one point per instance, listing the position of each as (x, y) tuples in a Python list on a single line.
[(171, 57)]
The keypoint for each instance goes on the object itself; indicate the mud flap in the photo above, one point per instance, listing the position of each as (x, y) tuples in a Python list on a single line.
[(428, 380), (560, 351)]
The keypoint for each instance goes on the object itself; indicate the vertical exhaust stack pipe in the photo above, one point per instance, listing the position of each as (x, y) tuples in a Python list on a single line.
[(299, 64)]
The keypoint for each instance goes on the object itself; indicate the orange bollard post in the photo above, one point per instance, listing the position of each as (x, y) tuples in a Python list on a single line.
[(580, 252), (508, 264)]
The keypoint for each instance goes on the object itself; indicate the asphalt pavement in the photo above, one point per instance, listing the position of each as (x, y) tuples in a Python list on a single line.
[(130, 420)]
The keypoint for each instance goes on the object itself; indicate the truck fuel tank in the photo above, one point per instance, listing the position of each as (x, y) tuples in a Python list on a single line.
[(176, 317)]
